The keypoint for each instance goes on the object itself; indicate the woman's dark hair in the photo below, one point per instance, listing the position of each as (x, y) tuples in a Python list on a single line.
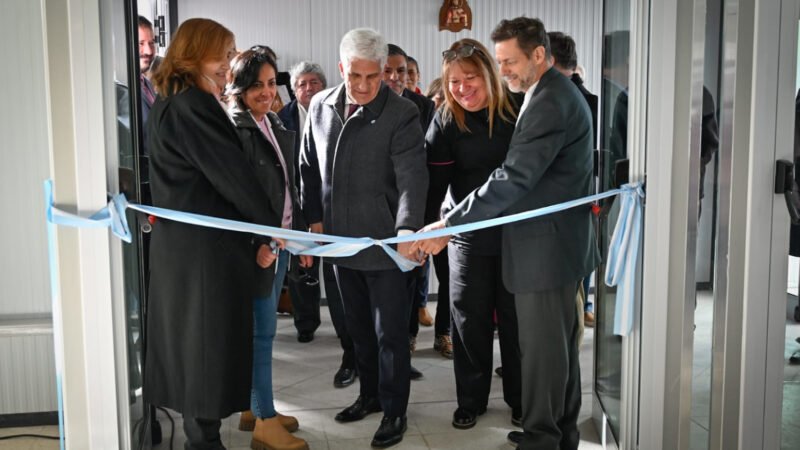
[(245, 69)]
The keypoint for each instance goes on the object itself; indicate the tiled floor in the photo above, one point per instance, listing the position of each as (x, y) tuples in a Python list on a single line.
[(303, 385), (303, 376)]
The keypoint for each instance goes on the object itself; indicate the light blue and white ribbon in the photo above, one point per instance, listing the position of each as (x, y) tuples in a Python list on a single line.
[(623, 253), (620, 270)]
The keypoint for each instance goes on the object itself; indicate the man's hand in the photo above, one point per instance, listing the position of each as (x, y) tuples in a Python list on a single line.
[(315, 227), (404, 249), (265, 257), (431, 246)]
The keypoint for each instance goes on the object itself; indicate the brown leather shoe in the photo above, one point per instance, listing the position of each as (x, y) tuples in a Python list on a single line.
[(588, 319), (247, 422), (270, 434), (444, 345), (425, 318)]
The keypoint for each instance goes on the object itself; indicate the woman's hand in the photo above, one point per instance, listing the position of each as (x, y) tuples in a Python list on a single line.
[(265, 257)]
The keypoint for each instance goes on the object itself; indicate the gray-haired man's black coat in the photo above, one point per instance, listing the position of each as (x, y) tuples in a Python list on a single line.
[(366, 177)]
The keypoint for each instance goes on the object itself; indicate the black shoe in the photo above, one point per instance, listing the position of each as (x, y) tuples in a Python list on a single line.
[(415, 374), (344, 377), (390, 432), (359, 409), (304, 337), (516, 417), (499, 371), (464, 418), (515, 437)]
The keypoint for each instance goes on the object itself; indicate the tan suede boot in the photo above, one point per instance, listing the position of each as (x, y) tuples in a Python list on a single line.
[(247, 422), (269, 434)]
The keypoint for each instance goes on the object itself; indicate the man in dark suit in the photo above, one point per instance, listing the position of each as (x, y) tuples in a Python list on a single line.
[(549, 161), (364, 173)]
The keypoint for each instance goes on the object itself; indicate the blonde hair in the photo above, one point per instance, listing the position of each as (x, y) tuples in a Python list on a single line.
[(499, 103), (196, 41)]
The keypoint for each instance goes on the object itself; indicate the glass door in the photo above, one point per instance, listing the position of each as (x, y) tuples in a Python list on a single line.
[(127, 165), (612, 169)]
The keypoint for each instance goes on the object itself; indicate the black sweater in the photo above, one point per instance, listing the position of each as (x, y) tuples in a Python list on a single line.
[(463, 161)]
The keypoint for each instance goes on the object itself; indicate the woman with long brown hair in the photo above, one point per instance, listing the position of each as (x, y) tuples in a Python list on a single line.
[(200, 310), (467, 141)]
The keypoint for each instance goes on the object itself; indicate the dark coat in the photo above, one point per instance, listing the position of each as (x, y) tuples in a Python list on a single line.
[(200, 310), (425, 106), (549, 161), (262, 158), (593, 103), (290, 116), (365, 177)]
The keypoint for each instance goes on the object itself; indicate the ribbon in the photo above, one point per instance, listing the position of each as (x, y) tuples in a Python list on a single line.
[(623, 253), (620, 268)]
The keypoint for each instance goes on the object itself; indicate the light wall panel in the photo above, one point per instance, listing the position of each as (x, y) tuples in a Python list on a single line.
[(312, 29), (24, 279)]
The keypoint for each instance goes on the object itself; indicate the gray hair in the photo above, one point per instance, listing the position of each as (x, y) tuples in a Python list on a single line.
[(304, 67), (363, 43)]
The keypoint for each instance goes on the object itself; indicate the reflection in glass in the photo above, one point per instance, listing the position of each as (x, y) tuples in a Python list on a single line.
[(613, 144), (119, 49)]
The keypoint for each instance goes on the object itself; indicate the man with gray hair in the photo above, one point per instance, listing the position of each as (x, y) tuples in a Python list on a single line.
[(364, 173)]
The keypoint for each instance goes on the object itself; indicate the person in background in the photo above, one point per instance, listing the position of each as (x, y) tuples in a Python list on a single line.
[(147, 51), (435, 92), (442, 341), (395, 75), (413, 76), (200, 318), (308, 78), (269, 147), (466, 143), (549, 161), (363, 169), (565, 60)]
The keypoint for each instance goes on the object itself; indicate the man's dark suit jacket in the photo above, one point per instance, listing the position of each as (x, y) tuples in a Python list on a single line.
[(592, 100), (426, 108), (364, 176), (549, 161), (290, 116)]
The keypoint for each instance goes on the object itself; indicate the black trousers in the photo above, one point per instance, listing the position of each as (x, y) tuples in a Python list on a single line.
[(305, 298), (377, 304), (418, 287), (477, 291), (202, 434), (548, 338), (336, 307), (442, 268)]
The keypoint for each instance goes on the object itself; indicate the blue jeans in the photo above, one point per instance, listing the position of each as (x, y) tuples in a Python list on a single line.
[(265, 322)]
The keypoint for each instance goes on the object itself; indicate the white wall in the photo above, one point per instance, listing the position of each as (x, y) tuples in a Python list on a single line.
[(27, 370), (312, 29)]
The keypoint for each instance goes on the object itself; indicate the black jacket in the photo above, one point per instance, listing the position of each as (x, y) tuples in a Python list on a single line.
[(202, 280), (462, 161), (264, 160)]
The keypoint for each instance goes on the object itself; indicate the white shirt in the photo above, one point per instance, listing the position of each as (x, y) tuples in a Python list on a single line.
[(301, 118), (527, 100)]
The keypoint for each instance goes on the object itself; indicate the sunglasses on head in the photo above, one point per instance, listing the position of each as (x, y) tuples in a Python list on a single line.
[(465, 51)]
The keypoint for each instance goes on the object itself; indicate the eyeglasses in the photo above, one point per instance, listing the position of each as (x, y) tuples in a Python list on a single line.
[(465, 51)]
